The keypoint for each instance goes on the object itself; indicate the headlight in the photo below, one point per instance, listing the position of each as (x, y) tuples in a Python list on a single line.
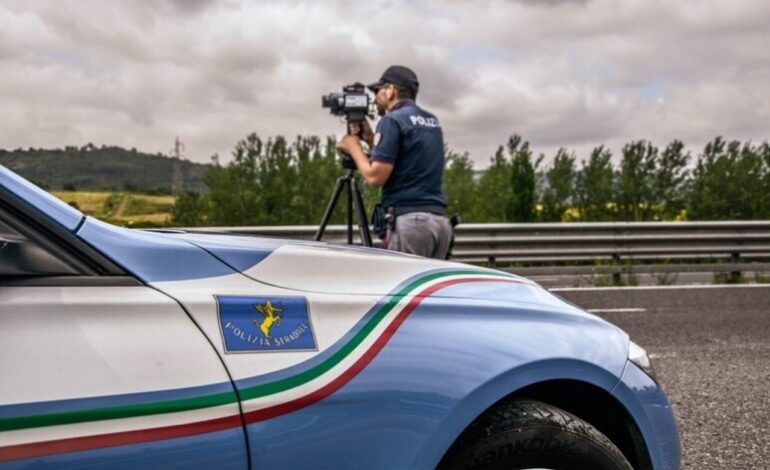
[(639, 356)]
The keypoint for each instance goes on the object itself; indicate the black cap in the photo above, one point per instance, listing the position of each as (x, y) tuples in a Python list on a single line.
[(402, 77)]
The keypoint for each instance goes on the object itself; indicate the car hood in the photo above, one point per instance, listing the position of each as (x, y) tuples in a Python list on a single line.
[(326, 268), (315, 266), (353, 270)]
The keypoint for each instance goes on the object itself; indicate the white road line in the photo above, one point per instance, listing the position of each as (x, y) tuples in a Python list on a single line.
[(616, 310), (688, 286), (662, 355)]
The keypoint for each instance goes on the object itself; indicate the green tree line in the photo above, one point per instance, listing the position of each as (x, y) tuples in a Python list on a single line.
[(278, 182)]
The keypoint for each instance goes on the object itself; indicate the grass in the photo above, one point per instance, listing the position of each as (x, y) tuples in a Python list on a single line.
[(88, 202), (664, 278), (143, 204), (121, 208)]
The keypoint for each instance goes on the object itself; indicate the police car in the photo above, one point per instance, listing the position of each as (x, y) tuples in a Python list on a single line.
[(139, 349)]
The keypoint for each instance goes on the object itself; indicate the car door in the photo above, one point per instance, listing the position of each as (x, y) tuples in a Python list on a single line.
[(98, 369)]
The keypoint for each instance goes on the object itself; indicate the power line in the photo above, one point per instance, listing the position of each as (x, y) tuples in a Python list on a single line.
[(177, 179)]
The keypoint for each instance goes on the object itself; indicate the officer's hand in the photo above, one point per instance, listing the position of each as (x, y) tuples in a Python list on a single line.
[(363, 130), (366, 133), (349, 144)]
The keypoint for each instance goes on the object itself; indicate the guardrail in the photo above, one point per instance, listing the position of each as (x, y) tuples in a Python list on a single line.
[(591, 247)]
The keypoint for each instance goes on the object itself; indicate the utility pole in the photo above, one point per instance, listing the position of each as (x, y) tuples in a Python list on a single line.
[(177, 178)]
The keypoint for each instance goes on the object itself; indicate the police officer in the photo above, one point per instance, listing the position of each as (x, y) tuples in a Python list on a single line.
[(407, 162)]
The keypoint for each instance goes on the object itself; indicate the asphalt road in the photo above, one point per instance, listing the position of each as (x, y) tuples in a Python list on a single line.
[(711, 351)]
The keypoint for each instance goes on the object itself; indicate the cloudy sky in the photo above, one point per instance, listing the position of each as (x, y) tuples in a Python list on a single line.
[(571, 73)]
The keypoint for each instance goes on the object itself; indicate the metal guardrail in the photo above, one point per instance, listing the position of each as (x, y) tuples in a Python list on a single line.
[(575, 248)]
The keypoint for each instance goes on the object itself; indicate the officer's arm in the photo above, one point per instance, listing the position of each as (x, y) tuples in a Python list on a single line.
[(375, 173), (377, 170)]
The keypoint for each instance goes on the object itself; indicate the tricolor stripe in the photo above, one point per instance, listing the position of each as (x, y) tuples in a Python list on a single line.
[(261, 401), (365, 358), (138, 436)]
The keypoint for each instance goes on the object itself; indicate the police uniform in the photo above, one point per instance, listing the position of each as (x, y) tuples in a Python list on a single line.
[(410, 139)]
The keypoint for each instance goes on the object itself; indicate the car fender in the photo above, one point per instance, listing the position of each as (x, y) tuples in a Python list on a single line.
[(498, 388)]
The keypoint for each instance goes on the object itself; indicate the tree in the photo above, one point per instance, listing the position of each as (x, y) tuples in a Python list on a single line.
[(233, 190), (594, 186), (493, 193), (277, 181), (635, 198), (764, 154), (559, 179), (522, 192), (317, 171), (459, 186), (189, 210), (727, 182), (670, 181), (274, 182)]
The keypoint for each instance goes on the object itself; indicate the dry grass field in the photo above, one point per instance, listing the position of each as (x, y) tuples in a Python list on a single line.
[(121, 208)]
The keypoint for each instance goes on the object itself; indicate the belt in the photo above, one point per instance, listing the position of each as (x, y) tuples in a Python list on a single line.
[(432, 208)]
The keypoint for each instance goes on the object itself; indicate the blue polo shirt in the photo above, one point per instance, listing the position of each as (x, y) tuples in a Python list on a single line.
[(411, 140)]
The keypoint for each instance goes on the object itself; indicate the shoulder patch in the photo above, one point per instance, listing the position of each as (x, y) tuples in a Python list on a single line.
[(280, 323)]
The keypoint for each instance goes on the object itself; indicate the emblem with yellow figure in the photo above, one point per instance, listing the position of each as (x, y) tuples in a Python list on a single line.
[(253, 324), (271, 317)]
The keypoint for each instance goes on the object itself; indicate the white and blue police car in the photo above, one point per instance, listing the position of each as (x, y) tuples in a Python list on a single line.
[(124, 348)]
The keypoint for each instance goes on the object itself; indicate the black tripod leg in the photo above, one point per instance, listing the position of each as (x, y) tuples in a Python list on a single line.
[(330, 207), (363, 221), (349, 214)]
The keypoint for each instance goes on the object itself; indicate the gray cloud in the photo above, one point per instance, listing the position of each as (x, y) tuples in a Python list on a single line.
[(560, 73), (190, 7)]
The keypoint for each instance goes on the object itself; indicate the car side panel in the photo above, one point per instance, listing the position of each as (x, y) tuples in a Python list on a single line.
[(204, 451), (436, 374), (95, 372), (395, 379)]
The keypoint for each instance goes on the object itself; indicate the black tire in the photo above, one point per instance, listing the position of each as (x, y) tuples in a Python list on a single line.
[(527, 434)]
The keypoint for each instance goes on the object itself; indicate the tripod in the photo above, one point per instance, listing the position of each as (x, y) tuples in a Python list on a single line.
[(348, 183)]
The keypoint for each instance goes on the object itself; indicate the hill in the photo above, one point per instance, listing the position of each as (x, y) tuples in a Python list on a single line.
[(102, 168)]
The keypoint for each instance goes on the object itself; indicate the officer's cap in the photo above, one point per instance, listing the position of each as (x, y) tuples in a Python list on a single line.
[(402, 77)]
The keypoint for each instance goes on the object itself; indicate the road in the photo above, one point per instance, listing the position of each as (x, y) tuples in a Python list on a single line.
[(711, 350)]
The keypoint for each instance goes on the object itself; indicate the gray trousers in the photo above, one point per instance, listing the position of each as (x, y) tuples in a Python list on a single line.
[(421, 233)]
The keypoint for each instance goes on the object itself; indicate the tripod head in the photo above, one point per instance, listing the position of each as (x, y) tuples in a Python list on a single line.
[(346, 161)]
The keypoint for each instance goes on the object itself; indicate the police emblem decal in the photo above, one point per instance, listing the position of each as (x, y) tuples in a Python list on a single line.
[(265, 324)]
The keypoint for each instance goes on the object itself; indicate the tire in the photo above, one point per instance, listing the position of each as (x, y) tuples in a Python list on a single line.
[(527, 434)]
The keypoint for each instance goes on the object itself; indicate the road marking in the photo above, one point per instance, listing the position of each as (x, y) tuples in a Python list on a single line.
[(689, 286), (616, 310), (663, 355)]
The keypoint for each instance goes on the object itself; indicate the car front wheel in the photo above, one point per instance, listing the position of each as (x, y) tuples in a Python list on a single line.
[(530, 435)]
